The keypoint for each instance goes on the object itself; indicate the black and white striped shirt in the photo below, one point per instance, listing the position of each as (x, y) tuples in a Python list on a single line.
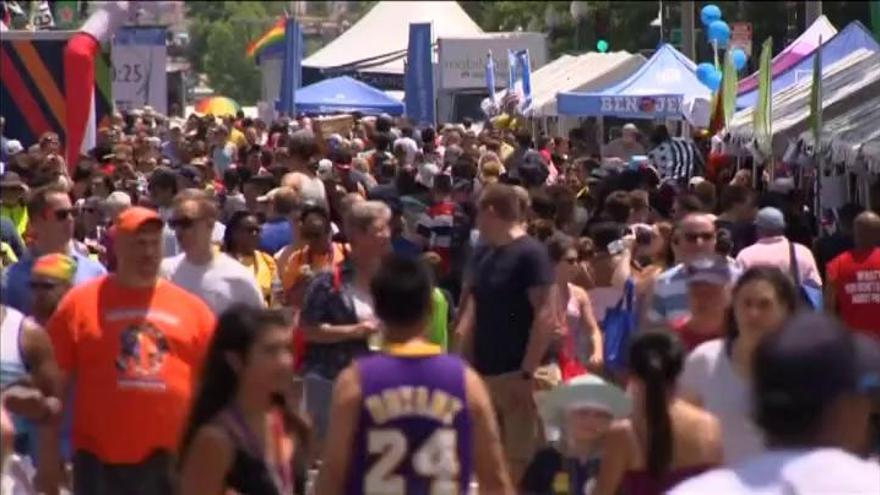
[(678, 159)]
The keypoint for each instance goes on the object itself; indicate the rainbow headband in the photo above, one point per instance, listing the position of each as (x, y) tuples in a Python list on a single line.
[(58, 266)]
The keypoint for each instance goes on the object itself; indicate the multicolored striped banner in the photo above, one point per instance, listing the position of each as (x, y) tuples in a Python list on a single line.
[(274, 36)]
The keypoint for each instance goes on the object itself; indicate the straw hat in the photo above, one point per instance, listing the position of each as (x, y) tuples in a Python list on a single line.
[(586, 391)]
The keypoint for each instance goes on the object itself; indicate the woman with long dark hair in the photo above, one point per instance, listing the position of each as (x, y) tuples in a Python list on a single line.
[(241, 241), (717, 374), (242, 432), (666, 440)]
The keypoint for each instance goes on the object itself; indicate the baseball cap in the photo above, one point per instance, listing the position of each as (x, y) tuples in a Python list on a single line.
[(427, 173), (11, 179), (162, 177), (189, 172), (814, 359), (770, 219), (118, 199), (709, 269), (133, 219), (310, 207)]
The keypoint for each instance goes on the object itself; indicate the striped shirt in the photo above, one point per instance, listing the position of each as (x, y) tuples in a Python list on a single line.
[(436, 226), (677, 159), (670, 302)]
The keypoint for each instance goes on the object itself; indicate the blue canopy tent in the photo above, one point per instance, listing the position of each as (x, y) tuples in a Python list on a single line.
[(344, 94), (844, 43), (663, 88)]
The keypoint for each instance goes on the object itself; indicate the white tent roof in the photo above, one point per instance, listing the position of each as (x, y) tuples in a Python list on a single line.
[(385, 29), (846, 85), (588, 72)]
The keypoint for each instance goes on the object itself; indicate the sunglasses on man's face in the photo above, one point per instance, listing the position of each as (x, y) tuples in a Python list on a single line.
[(571, 260), (63, 214), (181, 223), (37, 285)]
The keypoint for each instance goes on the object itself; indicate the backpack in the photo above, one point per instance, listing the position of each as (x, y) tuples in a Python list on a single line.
[(617, 327)]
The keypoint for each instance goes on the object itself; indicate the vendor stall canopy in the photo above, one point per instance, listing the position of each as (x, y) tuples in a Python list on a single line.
[(848, 85), (378, 41), (666, 86), (588, 72), (820, 31), (853, 37), (344, 95)]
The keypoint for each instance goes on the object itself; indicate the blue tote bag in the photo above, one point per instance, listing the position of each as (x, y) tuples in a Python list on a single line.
[(617, 327), (810, 293)]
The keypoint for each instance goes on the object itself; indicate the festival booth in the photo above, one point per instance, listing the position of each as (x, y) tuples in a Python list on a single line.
[(588, 72), (374, 48), (664, 88), (853, 37), (345, 95), (819, 32), (851, 116)]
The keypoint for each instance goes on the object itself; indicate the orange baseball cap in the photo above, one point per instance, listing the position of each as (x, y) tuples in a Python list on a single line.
[(132, 219)]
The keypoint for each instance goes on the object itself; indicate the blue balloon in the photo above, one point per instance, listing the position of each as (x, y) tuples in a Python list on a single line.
[(719, 32), (714, 80), (739, 58), (704, 70), (710, 14)]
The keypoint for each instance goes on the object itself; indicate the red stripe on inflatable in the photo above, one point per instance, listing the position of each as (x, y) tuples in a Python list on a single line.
[(79, 84), (20, 92)]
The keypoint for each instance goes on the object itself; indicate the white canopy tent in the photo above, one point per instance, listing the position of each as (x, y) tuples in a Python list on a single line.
[(851, 138), (587, 72), (384, 30), (846, 85)]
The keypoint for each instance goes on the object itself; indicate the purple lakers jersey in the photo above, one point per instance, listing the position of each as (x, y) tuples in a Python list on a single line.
[(414, 431)]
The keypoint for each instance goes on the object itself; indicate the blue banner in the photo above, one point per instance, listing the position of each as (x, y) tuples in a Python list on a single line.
[(490, 76), (631, 106), (419, 79), (511, 70), (291, 71), (526, 71)]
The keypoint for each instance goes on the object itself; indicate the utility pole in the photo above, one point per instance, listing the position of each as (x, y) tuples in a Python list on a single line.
[(688, 37), (813, 11)]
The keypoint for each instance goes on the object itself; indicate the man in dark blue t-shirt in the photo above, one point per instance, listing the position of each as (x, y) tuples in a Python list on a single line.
[(278, 229), (509, 321)]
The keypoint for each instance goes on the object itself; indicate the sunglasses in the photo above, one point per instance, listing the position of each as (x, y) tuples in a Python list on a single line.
[(182, 223), (42, 286), (63, 214), (702, 236), (255, 230), (571, 260)]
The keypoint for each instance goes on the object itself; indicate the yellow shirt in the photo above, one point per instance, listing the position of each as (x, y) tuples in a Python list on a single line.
[(266, 273), (18, 215)]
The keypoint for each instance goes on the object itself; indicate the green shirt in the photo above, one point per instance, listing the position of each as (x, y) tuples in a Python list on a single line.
[(439, 319)]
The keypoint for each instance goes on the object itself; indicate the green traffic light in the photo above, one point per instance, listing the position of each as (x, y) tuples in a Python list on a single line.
[(602, 46)]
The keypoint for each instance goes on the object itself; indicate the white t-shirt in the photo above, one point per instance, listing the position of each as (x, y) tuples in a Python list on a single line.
[(172, 248), (220, 283), (822, 471), (709, 375)]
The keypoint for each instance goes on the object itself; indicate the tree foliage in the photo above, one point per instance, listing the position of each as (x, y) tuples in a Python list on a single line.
[(220, 33)]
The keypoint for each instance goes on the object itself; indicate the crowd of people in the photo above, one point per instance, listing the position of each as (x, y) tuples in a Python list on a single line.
[(226, 305)]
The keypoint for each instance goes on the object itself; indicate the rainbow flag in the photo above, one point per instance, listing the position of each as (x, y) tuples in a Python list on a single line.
[(274, 36)]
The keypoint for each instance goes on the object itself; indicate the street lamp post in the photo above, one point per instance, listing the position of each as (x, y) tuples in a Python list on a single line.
[(579, 11)]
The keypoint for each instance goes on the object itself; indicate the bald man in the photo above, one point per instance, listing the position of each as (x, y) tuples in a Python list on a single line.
[(852, 290)]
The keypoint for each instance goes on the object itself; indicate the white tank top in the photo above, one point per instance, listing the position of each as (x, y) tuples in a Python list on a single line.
[(312, 189), (12, 365)]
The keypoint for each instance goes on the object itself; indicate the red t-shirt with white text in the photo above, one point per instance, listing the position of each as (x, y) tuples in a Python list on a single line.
[(856, 278)]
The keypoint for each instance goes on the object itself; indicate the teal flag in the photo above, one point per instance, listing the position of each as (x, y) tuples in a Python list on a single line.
[(762, 116)]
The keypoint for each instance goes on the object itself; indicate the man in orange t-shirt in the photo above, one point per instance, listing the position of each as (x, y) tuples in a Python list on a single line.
[(852, 289), (131, 345)]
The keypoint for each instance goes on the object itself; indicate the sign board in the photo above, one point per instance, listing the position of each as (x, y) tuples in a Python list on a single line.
[(741, 36), (641, 107), (138, 69), (463, 60)]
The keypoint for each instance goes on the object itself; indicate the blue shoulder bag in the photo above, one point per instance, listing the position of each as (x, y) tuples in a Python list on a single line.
[(617, 327)]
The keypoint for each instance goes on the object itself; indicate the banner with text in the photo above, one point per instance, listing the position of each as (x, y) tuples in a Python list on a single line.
[(138, 70), (632, 106)]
